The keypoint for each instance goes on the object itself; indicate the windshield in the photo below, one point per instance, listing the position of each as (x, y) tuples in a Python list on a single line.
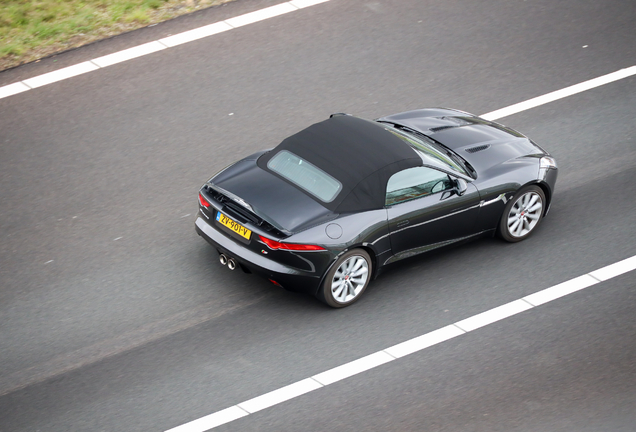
[(428, 150)]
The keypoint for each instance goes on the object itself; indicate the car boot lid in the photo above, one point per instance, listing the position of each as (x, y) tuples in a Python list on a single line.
[(269, 197)]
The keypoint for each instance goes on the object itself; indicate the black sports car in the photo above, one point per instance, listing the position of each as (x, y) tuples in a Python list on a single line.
[(329, 207)]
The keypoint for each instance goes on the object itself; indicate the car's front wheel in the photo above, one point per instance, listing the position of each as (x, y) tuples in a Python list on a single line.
[(347, 279), (522, 214)]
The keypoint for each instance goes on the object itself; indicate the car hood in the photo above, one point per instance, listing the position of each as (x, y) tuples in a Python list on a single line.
[(271, 198), (482, 143)]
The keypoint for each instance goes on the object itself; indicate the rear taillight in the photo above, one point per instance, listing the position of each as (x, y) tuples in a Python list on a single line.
[(273, 244), (203, 201)]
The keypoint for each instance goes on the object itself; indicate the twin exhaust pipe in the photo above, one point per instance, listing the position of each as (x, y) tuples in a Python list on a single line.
[(231, 264)]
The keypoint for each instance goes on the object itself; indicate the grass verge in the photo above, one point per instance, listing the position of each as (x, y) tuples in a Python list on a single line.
[(32, 29)]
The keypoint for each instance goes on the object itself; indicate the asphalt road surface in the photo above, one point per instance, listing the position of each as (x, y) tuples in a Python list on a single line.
[(116, 316)]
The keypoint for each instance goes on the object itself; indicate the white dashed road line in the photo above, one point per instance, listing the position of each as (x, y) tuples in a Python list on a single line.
[(405, 348), (559, 94), (154, 46)]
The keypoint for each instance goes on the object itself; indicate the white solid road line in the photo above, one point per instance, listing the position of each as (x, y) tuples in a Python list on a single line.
[(560, 290), (11, 89), (493, 315), (128, 54), (154, 46), (353, 368), (198, 33), (213, 420), (260, 15), (405, 348), (559, 94), (60, 74), (281, 395), (426, 340), (615, 269)]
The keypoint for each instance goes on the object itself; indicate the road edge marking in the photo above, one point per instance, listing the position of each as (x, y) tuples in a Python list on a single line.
[(129, 54), (154, 46), (213, 420), (408, 347), (59, 75), (280, 395), (493, 315), (352, 368)]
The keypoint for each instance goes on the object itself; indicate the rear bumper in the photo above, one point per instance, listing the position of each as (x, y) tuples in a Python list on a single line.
[(288, 277)]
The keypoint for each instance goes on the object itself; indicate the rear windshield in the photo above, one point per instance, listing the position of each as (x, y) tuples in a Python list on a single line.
[(304, 175)]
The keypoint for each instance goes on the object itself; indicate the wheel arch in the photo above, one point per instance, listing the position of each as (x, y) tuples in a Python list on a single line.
[(374, 259), (367, 249), (546, 191)]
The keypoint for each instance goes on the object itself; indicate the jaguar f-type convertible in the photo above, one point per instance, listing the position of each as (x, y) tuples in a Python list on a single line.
[(328, 208)]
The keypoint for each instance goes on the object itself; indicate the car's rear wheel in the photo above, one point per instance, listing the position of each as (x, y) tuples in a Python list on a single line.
[(347, 279), (522, 214)]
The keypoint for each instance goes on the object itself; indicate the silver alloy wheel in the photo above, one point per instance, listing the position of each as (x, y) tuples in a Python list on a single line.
[(525, 214), (350, 279)]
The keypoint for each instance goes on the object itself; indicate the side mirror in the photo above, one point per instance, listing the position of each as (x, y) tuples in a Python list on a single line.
[(461, 186)]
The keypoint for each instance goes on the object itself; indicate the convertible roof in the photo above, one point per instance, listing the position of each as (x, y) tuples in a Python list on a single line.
[(361, 154)]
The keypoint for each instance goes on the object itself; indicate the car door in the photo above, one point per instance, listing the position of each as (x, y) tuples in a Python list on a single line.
[(427, 209)]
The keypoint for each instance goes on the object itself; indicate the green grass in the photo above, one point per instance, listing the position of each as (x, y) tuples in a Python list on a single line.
[(31, 29)]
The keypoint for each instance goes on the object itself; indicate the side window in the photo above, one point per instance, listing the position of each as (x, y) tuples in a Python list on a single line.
[(414, 183)]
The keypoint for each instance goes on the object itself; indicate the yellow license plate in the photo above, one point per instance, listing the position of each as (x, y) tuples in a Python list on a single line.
[(234, 226)]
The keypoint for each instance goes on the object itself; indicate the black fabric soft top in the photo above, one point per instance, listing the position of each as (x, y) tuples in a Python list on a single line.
[(361, 154)]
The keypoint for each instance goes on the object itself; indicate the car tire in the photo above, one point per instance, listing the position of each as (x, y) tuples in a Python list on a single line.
[(347, 279), (523, 214)]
